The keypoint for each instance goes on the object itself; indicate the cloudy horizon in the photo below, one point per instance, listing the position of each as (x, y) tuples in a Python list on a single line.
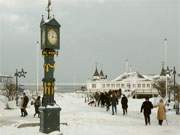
[(106, 32)]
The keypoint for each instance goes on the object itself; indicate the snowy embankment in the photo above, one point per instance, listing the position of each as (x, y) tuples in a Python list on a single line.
[(3, 102), (88, 120)]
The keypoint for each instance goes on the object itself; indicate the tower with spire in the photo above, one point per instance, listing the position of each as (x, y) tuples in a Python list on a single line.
[(98, 75), (163, 71), (101, 75)]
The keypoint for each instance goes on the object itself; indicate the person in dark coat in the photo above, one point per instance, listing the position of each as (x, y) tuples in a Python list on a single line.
[(114, 102), (107, 100), (25, 102), (124, 103), (146, 108), (101, 99), (37, 104)]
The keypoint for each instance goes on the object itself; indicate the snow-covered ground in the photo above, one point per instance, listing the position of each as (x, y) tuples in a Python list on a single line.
[(87, 120)]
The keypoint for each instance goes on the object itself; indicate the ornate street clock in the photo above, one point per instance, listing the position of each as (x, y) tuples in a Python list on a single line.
[(50, 34), (50, 44)]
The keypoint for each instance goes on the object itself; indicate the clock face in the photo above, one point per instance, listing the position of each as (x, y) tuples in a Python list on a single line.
[(52, 37)]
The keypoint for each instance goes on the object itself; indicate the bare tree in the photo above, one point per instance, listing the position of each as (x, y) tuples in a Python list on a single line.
[(160, 85), (10, 90)]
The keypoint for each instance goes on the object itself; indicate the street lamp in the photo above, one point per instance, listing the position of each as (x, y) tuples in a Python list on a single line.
[(178, 94), (37, 67), (174, 80), (18, 74), (167, 75)]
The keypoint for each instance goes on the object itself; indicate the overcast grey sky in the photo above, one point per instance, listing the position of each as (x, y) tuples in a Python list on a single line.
[(104, 31)]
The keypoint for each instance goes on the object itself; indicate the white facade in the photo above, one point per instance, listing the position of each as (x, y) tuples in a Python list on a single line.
[(4, 79), (132, 82)]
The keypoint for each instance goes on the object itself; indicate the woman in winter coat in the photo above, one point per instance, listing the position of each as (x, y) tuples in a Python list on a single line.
[(161, 112)]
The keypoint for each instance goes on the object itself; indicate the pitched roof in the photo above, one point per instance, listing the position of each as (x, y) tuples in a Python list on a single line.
[(96, 73), (51, 22), (101, 73), (131, 75)]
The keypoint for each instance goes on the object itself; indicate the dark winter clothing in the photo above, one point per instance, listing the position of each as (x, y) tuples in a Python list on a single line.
[(146, 108), (101, 100), (107, 101), (37, 104), (147, 119), (114, 102), (160, 122), (124, 103), (25, 102)]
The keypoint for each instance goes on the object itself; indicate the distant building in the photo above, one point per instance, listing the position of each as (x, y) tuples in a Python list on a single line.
[(5, 79), (131, 83)]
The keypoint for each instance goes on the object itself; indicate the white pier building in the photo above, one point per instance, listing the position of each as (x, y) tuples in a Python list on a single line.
[(131, 83)]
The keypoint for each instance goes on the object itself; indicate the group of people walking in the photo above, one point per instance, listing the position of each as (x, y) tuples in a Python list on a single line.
[(112, 98), (115, 102), (24, 102), (146, 108)]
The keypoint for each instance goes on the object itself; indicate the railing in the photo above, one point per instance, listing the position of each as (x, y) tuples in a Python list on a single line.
[(145, 92)]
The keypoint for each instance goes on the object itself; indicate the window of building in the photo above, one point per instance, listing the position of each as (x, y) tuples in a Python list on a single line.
[(148, 85), (113, 85), (107, 85), (93, 85), (122, 85), (1, 79), (128, 85), (117, 85), (143, 85), (139, 85)]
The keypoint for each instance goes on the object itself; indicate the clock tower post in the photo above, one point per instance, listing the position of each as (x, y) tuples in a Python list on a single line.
[(50, 44)]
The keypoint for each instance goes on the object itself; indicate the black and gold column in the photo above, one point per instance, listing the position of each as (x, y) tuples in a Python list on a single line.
[(49, 80), (50, 43)]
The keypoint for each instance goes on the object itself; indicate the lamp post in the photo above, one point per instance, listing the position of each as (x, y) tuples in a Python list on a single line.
[(165, 64), (174, 81), (169, 73), (37, 67), (167, 91), (177, 112), (18, 74), (178, 102)]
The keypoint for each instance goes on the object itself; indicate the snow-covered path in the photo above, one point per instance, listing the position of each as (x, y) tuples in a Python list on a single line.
[(86, 120), (12, 117)]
